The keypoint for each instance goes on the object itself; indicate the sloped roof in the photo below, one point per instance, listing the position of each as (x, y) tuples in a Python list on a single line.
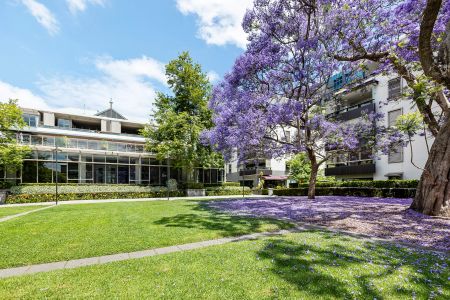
[(110, 113)]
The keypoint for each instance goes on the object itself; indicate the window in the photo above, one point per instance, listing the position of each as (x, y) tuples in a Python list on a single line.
[(392, 117), (30, 120), (394, 88), (36, 140), (64, 123), (229, 168), (395, 155)]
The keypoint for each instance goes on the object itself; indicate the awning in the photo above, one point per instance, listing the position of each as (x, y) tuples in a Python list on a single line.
[(393, 174), (272, 177)]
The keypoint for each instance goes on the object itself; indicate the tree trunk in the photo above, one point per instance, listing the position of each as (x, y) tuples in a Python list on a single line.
[(433, 192), (313, 176)]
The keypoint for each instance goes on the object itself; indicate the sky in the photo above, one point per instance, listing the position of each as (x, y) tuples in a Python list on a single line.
[(75, 55)]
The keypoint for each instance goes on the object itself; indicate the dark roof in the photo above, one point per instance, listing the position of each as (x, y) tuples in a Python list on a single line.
[(110, 113)]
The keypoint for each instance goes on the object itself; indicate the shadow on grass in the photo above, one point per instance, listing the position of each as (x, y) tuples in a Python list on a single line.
[(228, 225), (341, 270)]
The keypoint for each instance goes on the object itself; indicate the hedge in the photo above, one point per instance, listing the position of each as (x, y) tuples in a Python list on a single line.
[(227, 191), (348, 191), (367, 183), (84, 189), (33, 198)]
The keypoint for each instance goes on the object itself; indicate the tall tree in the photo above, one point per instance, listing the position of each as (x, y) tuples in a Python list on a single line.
[(179, 118), (11, 153), (411, 38), (272, 101)]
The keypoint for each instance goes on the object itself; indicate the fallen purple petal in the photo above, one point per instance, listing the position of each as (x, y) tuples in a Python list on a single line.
[(387, 218)]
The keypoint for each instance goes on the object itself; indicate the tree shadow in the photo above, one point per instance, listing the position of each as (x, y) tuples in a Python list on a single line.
[(319, 269), (228, 225)]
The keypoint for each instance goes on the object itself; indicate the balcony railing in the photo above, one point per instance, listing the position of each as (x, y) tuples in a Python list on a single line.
[(88, 130), (256, 171), (351, 168), (354, 111)]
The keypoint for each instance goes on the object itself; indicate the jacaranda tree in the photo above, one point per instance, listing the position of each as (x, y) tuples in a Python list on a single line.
[(272, 102), (412, 39)]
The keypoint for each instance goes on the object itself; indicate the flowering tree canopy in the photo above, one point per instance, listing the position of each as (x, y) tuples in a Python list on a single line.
[(272, 103)]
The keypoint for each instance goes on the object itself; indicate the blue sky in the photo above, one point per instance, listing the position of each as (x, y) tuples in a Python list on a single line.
[(73, 55)]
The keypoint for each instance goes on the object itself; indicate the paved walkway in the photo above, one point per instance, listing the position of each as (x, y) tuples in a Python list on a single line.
[(70, 264), (7, 218), (134, 200)]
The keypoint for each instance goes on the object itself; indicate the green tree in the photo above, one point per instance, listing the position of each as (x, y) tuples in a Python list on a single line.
[(180, 118), (300, 169), (11, 153)]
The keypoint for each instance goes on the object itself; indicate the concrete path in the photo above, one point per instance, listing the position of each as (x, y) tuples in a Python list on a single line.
[(7, 218), (134, 200), (70, 264)]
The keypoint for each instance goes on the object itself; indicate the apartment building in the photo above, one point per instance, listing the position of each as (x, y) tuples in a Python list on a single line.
[(348, 96), (104, 149)]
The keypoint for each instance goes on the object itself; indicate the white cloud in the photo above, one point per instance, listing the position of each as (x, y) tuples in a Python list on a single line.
[(219, 21), (43, 15), (130, 83), (212, 76), (76, 6)]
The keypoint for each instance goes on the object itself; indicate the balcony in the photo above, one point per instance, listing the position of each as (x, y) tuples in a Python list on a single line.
[(247, 172), (351, 168), (88, 130), (354, 111)]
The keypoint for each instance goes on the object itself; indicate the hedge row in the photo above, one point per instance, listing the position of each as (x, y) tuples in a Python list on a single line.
[(349, 191), (84, 189), (33, 198), (388, 184), (227, 191)]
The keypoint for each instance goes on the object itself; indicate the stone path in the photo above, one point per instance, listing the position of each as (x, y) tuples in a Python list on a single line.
[(70, 264), (7, 218), (134, 200)]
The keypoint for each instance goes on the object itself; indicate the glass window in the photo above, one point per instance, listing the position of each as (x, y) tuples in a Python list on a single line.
[(73, 157), (93, 145), (130, 148), (30, 120), (123, 174), (36, 140), (396, 155), (111, 174), (214, 176), (133, 173), (82, 144), (72, 143), (139, 148), (121, 147), (45, 155), (394, 88), (85, 171), (64, 123), (145, 161), (134, 160), (154, 175), (48, 141), (103, 145), (61, 141), (145, 175), (72, 171), (111, 159), (45, 172), (62, 156), (29, 172), (393, 116), (25, 139), (112, 146), (124, 160), (86, 157), (99, 158), (155, 162)]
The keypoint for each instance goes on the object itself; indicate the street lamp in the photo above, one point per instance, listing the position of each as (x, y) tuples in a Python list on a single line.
[(56, 171)]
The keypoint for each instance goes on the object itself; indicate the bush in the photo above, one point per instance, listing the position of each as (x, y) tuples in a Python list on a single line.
[(194, 185), (227, 191), (5, 185), (350, 191), (84, 188), (367, 183), (33, 198)]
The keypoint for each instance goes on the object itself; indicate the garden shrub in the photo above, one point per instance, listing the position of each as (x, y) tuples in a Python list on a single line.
[(350, 191), (50, 197), (227, 191), (84, 188)]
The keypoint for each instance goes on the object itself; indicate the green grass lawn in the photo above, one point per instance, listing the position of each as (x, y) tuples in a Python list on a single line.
[(8, 211), (86, 230), (307, 265)]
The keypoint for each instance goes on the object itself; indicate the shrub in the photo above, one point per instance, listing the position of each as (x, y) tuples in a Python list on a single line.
[(194, 185), (351, 191), (227, 191), (33, 198), (367, 183), (5, 185), (84, 188)]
